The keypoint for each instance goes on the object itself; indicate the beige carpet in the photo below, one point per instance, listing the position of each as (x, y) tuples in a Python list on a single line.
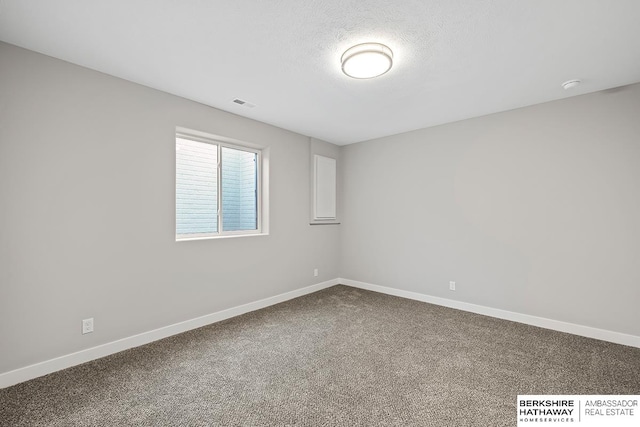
[(338, 357)]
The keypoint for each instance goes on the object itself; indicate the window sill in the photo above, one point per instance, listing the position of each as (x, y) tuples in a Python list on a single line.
[(226, 236)]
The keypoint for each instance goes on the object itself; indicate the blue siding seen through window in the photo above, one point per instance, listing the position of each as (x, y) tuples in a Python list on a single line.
[(196, 187), (206, 202), (239, 190)]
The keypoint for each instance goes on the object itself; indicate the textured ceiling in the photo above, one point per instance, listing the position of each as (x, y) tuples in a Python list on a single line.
[(454, 59)]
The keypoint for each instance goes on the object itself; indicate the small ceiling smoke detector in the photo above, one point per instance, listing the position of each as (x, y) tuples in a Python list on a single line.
[(367, 60), (571, 84)]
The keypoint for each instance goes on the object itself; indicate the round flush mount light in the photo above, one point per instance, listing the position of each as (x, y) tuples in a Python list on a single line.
[(367, 60), (570, 84)]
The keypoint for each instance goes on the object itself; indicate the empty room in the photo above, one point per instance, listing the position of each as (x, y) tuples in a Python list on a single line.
[(319, 213)]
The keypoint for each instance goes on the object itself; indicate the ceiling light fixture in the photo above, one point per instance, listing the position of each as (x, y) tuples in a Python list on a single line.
[(367, 60), (571, 84)]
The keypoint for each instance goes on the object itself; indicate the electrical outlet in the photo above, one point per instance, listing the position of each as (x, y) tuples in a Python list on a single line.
[(315, 272), (452, 286), (87, 326)]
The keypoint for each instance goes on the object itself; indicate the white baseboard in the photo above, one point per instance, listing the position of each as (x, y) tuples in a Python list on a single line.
[(48, 366), (556, 325)]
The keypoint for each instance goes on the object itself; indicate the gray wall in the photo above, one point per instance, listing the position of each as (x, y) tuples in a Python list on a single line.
[(87, 224), (535, 210)]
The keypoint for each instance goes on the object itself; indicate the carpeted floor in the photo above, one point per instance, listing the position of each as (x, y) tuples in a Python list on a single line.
[(338, 357)]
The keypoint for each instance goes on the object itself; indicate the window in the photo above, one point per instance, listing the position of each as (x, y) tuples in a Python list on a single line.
[(217, 188)]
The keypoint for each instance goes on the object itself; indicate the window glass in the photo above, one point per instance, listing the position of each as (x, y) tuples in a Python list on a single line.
[(239, 190), (196, 187), (217, 188)]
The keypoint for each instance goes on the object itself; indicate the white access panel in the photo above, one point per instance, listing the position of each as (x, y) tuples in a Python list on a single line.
[(324, 188)]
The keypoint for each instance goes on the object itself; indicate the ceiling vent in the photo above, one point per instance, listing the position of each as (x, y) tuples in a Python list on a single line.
[(243, 103)]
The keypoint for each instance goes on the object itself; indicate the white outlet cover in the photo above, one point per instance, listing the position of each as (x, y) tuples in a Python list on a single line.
[(87, 326)]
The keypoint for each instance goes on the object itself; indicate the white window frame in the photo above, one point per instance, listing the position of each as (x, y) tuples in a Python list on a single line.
[(221, 142)]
